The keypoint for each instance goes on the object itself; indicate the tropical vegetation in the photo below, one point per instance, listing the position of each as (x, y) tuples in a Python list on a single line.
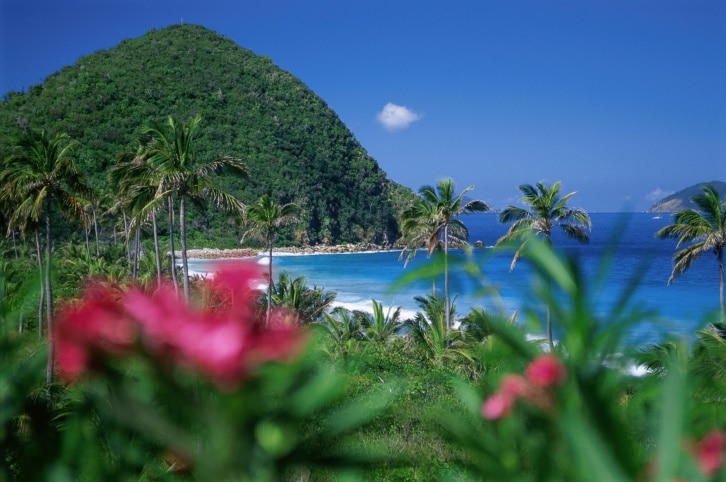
[(263, 220), (232, 382), (545, 211), (297, 147), (434, 219), (700, 231)]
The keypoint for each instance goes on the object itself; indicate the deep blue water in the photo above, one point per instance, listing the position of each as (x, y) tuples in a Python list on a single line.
[(682, 307)]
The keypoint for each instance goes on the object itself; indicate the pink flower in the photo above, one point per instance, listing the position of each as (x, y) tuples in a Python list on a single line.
[(497, 406), (711, 452), (93, 326), (546, 371), (515, 386), (224, 341)]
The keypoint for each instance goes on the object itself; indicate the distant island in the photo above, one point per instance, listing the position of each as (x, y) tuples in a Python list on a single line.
[(682, 199)]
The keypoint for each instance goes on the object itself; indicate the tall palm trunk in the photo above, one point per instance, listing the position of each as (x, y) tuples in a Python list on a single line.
[(446, 277), (183, 237), (15, 246), (95, 229), (126, 237), (86, 229), (722, 288), (137, 252), (269, 280), (41, 294), (171, 247), (49, 300), (550, 338), (156, 247)]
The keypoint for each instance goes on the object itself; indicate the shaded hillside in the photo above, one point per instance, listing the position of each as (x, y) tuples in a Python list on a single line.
[(296, 147), (682, 199)]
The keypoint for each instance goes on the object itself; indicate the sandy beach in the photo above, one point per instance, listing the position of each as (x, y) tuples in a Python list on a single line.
[(215, 253)]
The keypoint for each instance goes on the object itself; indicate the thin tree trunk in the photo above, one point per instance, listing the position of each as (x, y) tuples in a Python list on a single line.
[(137, 250), (15, 246), (49, 301), (550, 338), (88, 242), (183, 237), (722, 288), (95, 229), (126, 237), (269, 283), (446, 277), (171, 247), (41, 291), (156, 248)]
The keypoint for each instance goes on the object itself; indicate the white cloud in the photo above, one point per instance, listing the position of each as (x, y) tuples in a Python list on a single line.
[(658, 194), (396, 117)]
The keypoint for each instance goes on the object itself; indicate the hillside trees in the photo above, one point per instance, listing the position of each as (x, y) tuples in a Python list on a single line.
[(297, 147)]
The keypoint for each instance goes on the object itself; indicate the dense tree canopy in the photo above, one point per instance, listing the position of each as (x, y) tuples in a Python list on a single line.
[(295, 146)]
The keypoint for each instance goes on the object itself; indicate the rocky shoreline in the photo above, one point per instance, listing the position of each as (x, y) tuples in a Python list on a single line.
[(215, 253)]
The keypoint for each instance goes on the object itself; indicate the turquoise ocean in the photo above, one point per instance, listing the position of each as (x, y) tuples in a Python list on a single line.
[(628, 240)]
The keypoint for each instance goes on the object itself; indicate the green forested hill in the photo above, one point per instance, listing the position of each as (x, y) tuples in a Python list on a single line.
[(296, 147)]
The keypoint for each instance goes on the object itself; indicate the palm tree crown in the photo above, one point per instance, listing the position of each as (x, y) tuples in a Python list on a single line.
[(547, 210), (705, 229)]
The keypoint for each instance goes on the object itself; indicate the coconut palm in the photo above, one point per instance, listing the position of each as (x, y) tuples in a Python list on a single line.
[(40, 177), (429, 330), (547, 210), (433, 219), (344, 329), (137, 185), (705, 229), (182, 175), (379, 326), (262, 220), (294, 294)]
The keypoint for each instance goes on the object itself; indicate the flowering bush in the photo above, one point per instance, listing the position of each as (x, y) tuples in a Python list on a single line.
[(157, 388), (225, 342)]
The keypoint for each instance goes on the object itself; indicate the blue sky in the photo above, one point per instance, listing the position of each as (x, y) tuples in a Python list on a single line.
[(622, 101)]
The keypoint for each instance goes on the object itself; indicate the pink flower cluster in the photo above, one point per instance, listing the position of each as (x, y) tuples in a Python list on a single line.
[(224, 342), (543, 373), (710, 452)]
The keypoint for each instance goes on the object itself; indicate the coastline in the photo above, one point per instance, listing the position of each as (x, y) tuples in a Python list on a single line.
[(216, 253)]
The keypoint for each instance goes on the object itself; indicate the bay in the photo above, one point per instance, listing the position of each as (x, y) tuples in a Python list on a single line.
[(679, 309)]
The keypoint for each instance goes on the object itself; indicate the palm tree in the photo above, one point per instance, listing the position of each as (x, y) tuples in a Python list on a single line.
[(344, 329), (137, 185), (433, 219), (181, 174), (263, 219), (294, 294), (40, 177), (429, 330), (547, 211), (705, 229), (379, 326)]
